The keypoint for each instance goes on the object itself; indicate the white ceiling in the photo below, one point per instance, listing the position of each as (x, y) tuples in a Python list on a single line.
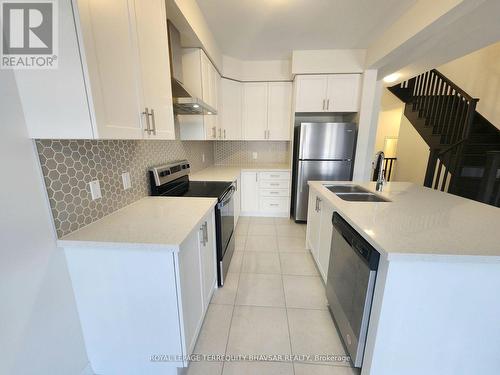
[(271, 29)]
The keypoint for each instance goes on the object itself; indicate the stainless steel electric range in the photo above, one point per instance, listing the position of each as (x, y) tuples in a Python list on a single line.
[(172, 180)]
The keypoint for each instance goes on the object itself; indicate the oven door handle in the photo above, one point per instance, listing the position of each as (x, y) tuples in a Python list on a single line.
[(226, 198)]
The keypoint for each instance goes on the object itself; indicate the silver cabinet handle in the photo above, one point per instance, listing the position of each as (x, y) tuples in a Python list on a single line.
[(202, 240), (224, 133), (153, 122), (319, 204), (275, 175), (274, 205), (205, 232), (269, 134), (324, 104), (220, 133), (328, 105), (146, 113), (256, 175), (273, 192), (214, 132), (274, 184)]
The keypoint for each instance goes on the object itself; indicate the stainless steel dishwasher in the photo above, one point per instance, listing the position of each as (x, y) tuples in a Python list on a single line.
[(350, 284)]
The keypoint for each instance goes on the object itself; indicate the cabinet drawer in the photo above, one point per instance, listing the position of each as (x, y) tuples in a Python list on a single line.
[(272, 204), (266, 184), (274, 175), (274, 192)]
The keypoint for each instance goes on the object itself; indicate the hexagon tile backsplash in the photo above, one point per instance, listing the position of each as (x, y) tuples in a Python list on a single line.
[(69, 165)]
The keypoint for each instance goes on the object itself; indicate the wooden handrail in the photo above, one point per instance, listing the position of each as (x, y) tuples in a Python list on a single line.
[(454, 85)]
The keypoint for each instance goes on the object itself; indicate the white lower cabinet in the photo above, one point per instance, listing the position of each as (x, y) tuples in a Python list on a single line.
[(319, 231), (265, 193), (135, 303)]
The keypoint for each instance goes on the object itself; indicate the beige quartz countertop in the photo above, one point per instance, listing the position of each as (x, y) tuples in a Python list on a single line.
[(230, 173), (151, 222), (421, 223)]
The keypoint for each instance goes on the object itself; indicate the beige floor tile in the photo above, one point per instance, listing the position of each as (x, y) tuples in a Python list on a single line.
[(257, 368), (294, 230), (312, 332), (315, 369), (258, 330), (242, 229), (292, 244), (244, 220), (261, 243), (260, 262), (239, 242), (301, 264), (226, 295), (215, 330), (236, 260), (262, 229), (283, 221), (260, 290), (262, 220), (307, 292), (205, 368)]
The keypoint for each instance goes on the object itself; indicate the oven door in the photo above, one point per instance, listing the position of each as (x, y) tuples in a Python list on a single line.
[(225, 230)]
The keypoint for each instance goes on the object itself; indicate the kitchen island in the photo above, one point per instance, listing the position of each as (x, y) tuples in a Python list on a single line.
[(436, 302)]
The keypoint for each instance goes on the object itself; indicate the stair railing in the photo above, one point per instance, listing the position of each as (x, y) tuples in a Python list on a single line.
[(447, 108)]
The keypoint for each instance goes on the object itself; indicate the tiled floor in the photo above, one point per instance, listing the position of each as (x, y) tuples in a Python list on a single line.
[(273, 303)]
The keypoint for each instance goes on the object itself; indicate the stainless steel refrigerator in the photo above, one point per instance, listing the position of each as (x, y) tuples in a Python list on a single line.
[(322, 151)]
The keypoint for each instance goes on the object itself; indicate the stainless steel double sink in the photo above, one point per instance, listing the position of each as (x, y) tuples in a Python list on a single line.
[(355, 193)]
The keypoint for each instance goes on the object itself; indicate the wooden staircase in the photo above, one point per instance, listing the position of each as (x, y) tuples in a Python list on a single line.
[(464, 147)]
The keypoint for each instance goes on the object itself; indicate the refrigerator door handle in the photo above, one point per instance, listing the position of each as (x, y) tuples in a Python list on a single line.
[(299, 178)]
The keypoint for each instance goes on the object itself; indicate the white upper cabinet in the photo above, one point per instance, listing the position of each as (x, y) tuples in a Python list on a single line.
[(123, 62), (311, 93), (255, 111), (230, 109), (343, 93), (279, 107), (201, 79), (267, 108), (154, 60), (327, 93)]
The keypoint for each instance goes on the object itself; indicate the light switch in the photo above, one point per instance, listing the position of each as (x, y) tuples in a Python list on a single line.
[(127, 184), (254, 155), (95, 189)]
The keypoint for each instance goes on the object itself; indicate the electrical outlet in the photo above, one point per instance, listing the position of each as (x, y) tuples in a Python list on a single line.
[(202, 158), (127, 184), (254, 155), (95, 189)]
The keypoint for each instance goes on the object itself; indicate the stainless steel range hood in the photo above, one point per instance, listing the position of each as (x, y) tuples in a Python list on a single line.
[(184, 103)]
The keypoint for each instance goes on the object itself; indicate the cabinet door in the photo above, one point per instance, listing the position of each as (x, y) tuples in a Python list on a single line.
[(343, 93), (110, 39), (155, 67), (192, 309), (249, 192), (325, 238), (230, 108), (313, 224), (208, 258), (255, 111), (279, 123), (311, 93), (55, 104)]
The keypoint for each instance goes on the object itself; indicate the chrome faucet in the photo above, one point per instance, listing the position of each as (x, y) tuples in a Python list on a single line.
[(378, 164)]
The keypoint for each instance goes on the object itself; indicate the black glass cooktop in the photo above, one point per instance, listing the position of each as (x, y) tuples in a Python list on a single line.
[(198, 189)]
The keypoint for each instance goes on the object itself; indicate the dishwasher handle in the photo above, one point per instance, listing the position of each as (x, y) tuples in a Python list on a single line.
[(359, 245)]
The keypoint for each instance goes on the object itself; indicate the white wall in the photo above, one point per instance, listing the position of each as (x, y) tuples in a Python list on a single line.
[(328, 61), (412, 154), (258, 70), (389, 118), (39, 325), (367, 125), (479, 75)]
